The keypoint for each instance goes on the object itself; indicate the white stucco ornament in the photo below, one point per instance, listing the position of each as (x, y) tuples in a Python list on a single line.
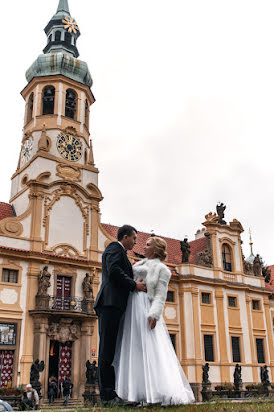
[(170, 313), (8, 296)]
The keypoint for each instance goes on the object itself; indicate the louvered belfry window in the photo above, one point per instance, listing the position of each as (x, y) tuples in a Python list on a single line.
[(70, 109), (48, 100)]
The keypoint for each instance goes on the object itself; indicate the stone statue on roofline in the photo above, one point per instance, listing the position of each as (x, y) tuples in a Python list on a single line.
[(185, 248), (257, 266), (205, 258), (220, 208)]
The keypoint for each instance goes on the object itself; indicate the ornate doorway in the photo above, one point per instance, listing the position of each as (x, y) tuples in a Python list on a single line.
[(60, 357)]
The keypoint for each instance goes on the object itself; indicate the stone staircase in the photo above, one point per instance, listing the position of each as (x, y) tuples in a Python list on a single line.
[(58, 405)]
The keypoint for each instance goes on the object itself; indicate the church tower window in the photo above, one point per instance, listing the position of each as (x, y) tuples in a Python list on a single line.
[(227, 258), (57, 36), (48, 100), (67, 38), (30, 108), (86, 114), (70, 110)]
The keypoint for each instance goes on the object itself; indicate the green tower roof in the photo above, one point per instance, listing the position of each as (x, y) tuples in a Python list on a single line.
[(60, 54)]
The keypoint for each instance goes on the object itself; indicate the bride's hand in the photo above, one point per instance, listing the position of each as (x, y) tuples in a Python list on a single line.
[(140, 285), (152, 322)]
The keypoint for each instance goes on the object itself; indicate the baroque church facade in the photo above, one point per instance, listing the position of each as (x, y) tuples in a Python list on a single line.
[(52, 240)]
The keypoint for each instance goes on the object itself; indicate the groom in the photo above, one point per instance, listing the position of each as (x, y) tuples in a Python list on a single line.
[(110, 305)]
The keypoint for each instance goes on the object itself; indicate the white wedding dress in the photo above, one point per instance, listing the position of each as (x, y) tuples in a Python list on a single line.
[(146, 366)]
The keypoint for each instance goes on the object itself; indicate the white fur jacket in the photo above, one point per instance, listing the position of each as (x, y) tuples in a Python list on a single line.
[(156, 276)]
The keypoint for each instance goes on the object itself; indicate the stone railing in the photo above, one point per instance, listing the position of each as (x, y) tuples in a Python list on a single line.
[(67, 303), (71, 304)]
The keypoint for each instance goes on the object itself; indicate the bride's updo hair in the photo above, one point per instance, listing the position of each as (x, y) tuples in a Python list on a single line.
[(160, 246)]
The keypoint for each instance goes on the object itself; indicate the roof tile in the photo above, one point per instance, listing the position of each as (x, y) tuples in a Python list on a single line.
[(174, 254)]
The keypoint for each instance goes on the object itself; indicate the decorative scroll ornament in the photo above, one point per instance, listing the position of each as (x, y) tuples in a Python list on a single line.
[(64, 331), (70, 173), (70, 25), (10, 226)]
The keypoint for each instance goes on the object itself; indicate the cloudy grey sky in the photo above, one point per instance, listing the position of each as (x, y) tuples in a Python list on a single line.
[(184, 107)]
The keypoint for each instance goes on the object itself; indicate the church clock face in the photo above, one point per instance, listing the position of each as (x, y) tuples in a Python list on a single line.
[(26, 151), (69, 147)]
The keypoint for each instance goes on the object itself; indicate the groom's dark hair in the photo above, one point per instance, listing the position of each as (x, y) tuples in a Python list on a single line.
[(125, 230)]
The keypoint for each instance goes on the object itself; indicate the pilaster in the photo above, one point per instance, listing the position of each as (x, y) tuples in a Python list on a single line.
[(224, 370), (197, 335), (269, 336), (27, 355), (182, 330), (252, 346)]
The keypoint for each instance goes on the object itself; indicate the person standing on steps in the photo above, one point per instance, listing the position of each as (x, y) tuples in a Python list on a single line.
[(110, 305), (67, 389)]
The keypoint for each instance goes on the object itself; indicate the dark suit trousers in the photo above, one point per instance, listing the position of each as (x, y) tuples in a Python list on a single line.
[(109, 320)]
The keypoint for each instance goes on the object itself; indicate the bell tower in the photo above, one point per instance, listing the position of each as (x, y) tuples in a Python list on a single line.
[(56, 181)]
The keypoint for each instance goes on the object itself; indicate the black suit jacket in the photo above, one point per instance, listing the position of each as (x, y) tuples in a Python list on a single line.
[(117, 278)]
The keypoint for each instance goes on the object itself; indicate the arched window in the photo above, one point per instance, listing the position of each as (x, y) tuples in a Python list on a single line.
[(70, 109), (227, 257), (57, 35), (67, 38), (30, 108), (86, 114), (48, 100)]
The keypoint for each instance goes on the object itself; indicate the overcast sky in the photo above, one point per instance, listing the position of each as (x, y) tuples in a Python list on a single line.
[(184, 107)]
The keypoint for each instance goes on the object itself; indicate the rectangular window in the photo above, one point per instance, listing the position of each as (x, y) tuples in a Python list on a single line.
[(173, 340), (208, 346), (232, 301), (260, 350), (255, 304), (10, 276), (7, 334), (205, 297), (170, 296), (236, 349)]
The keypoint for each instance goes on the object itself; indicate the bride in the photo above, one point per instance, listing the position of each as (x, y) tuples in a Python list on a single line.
[(146, 366)]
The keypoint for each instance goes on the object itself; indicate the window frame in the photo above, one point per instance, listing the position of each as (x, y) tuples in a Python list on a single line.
[(240, 348), (223, 254), (9, 270), (15, 347), (259, 304), (54, 98), (201, 299), (236, 302), (30, 102), (203, 293), (76, 104), (213, 347), (174, 342), (263, 348), (173, 296)]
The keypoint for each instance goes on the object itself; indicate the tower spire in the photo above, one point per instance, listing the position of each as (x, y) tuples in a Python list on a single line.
[(251, 257), (62, 32), (63, 7)]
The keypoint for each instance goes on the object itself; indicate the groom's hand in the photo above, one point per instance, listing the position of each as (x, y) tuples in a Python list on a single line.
[(140, 285), (152, 322)]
